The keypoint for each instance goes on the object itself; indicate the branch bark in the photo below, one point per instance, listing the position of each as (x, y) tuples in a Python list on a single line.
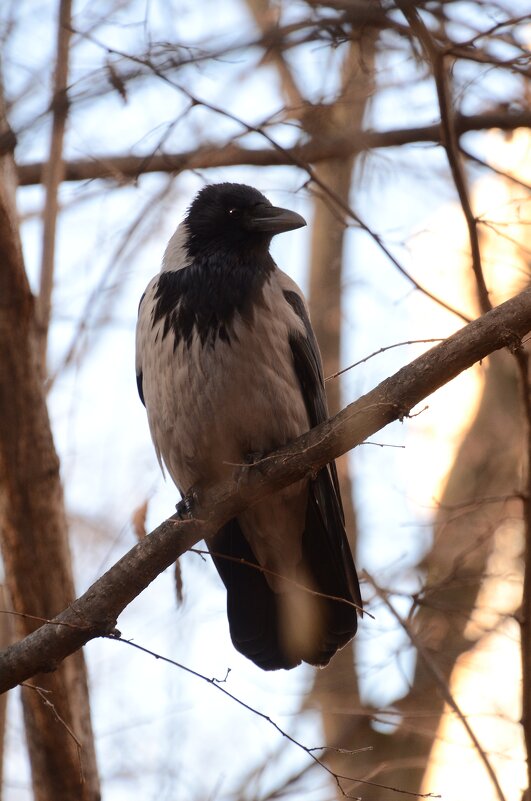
[(121, 168), (96, 612)]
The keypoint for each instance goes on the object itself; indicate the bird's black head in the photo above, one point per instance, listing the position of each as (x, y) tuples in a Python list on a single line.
[(235, 218)]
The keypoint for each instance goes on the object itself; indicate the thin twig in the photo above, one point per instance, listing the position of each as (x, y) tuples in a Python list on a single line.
[(266, 571), (50, 705), (307, 750), (504, 23), (381, 350), (78, 345), (383, 444), (42, 695), (477, 160), (38, 619)]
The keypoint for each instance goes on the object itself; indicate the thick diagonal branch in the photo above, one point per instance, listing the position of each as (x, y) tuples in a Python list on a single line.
[(96, 612)]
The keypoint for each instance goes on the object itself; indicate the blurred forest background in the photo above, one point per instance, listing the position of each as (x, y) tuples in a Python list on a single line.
[(400, 130)]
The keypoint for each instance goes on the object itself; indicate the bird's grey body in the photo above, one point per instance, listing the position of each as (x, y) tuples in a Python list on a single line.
[(210, 407), (223, 344)]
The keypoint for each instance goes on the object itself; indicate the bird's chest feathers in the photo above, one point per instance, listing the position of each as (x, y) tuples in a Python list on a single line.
[(204, 298)]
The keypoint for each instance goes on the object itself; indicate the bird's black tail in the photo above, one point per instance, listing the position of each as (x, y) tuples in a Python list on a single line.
[(257, 614)]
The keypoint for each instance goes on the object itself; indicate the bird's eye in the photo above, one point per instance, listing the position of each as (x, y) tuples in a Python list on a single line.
[(233, 211)]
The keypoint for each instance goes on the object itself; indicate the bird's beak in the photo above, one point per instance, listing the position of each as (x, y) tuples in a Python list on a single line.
[(274, 220)]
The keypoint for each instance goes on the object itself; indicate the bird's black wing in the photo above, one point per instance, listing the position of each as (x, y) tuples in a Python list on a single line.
[(325, 542), (139, 376), (308, 367), (253, 608), (251, 605), (139, 386)]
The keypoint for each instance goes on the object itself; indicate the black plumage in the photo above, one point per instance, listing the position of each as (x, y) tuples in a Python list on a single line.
[(227, 366)]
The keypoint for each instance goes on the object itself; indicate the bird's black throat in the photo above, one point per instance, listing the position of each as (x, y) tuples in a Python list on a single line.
[(205, 296)]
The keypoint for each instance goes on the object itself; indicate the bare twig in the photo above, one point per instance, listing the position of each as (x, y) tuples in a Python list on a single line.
[(381, 350), (309, 751), (477, 160), (98, 303), (511, 22), (291, 581), (46, 701), (36, 618)]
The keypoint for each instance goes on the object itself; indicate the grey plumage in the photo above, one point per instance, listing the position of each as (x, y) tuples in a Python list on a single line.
[(228, 366)]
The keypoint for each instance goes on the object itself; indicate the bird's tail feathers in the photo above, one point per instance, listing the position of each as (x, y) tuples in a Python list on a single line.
[(316, 613)]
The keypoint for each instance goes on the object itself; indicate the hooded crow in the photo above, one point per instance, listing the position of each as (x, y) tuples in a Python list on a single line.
[(228, 366)]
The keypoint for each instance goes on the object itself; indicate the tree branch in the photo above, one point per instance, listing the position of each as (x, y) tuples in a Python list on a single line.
[(95, 613), (121, 168)]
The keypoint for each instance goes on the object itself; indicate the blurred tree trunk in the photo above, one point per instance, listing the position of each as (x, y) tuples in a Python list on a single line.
[(487, 465), (336, 688), (33, 529), (6, 638)]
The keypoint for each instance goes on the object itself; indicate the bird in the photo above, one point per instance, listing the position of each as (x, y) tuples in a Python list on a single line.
[(229, 369)]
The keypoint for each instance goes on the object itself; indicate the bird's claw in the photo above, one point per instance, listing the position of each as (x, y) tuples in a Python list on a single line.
[(254, 457), (185, 506)]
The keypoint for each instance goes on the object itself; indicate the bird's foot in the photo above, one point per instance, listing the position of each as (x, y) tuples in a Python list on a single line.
[(254, 457), (185, 507)]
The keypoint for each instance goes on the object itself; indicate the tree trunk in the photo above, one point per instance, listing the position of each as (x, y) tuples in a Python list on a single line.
[(34, 532), (336, 688), (6, 638), (487, 466)]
